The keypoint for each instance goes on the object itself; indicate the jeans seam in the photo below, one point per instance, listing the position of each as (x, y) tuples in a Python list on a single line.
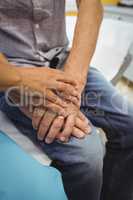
[(121, 138)]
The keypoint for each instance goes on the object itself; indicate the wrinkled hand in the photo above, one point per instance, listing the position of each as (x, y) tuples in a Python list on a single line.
[(54, 122), (70, 121), (51, 127)]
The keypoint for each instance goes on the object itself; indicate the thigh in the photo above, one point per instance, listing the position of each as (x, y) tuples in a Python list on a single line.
[(74, 151), (81, 164), (107, 109), (80, 161)]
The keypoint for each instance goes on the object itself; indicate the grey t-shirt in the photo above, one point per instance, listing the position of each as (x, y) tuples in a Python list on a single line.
[(32, 31)]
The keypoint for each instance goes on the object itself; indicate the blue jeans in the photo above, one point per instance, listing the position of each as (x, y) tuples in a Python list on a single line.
[(81, 161)]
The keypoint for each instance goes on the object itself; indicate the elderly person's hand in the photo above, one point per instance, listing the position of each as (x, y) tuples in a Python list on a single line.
[(52, 123), (55, 122), (49, 126)]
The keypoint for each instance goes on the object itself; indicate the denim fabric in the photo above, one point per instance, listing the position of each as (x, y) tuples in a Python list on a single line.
[(81, 161), (33, 32)]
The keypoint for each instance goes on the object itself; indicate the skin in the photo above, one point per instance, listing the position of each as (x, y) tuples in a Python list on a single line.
[(48, 124), (90, 14), (50, 132), (54, 108), (44, 81), (89, 19)]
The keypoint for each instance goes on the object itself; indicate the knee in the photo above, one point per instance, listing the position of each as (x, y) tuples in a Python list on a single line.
[(89, 154), (88, 165), (81, 165)]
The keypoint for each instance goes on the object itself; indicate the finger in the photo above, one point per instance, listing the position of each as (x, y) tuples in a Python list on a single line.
[(78, 133), (45, 124), (37, 101), (68, 80), (55, 129), (75, 101), (26, 111), (51, 96), (83, 126), (66, 88), (83, 117), (68, 127), (55, 108), (37, 116), (69, 98)]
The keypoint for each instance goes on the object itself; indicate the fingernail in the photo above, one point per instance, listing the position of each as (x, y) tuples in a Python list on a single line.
[(81, 135), (39, 138), (35, 127), (48, 140), (88, 130), (61, 117), (62, 139)]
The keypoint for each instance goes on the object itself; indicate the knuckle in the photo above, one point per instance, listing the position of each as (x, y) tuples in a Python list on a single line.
[(53, 96), (48, 104), (67, 88), (71, 124), (64, 85), (57, 100)]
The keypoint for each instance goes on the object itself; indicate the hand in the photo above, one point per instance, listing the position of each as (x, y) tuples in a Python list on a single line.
[(79, 77), (43, 118), (47, 82), (76, 124), (51, 127)]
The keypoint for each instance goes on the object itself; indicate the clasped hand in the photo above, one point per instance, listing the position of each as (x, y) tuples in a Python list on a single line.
[(59, 117)]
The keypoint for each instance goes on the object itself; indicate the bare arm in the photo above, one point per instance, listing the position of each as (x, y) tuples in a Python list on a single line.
[(85, 38), (8, 74), (42, 80)]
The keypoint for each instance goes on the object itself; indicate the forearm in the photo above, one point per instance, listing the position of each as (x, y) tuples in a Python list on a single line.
[(85, 37), (9, 76)]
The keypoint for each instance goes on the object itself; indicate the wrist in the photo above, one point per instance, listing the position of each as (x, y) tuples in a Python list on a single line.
[(9, 76), (24, 74), (17, 76), (79, 76)]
